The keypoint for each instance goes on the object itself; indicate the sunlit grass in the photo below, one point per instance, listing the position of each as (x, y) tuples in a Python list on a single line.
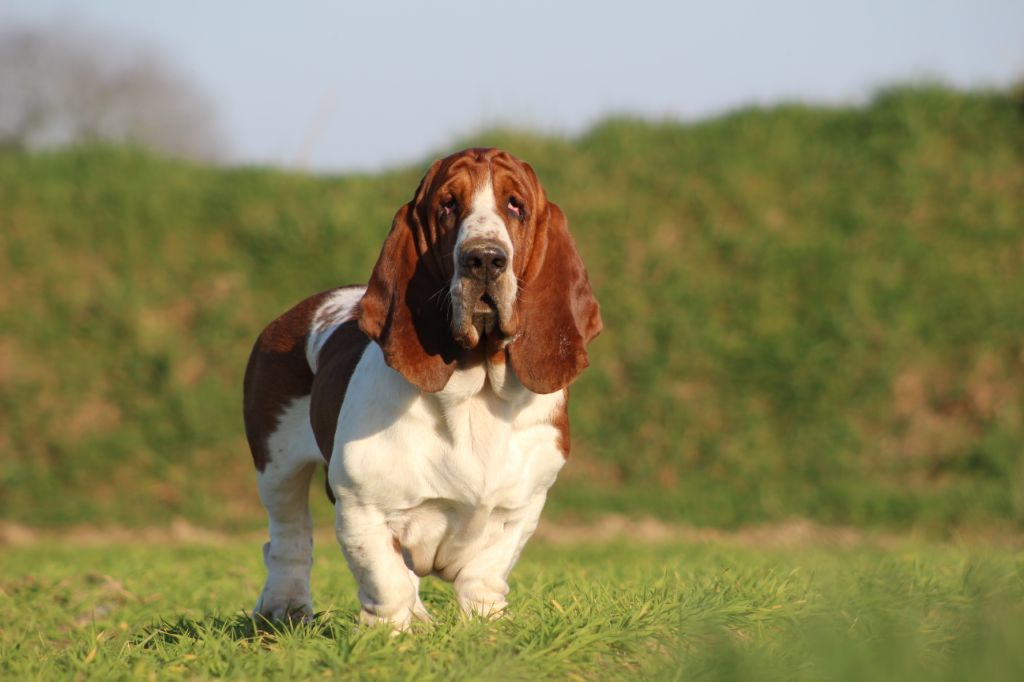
[(595, 612)]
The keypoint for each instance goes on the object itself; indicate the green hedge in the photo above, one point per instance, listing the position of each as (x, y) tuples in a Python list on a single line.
[(809, 312)]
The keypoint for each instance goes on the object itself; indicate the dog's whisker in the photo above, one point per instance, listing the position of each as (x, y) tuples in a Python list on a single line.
[(437, 293)]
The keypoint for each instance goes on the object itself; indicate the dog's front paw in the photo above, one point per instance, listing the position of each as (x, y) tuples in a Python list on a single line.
[(491, 609), (399, 622), (400, 617), (482, 598)]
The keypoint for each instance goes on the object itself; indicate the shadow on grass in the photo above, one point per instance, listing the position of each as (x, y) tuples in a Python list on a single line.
[(242, 627)]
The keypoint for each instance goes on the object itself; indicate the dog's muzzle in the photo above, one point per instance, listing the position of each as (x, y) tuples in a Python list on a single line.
[(481, 267)]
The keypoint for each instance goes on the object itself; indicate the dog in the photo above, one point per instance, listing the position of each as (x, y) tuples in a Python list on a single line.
[(437, 396)]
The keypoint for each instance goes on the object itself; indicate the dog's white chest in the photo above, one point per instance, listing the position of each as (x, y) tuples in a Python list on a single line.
[(448, 471)]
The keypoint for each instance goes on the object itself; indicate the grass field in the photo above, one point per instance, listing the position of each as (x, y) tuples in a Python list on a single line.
[(609, 611)]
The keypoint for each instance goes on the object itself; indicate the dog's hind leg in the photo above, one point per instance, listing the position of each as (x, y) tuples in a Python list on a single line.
[(284, 490)]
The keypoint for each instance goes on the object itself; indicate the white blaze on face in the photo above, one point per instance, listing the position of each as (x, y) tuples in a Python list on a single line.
[(483, 223)]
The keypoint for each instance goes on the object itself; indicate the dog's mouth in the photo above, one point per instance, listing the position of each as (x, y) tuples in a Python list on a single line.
[(479, 314), (485, 305), (485, 315)]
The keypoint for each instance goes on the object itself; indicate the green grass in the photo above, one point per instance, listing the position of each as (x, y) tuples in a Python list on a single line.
[(914, 611), (813, 312)]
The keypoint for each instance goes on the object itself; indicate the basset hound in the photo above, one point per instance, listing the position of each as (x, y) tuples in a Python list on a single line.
[(437, 395)]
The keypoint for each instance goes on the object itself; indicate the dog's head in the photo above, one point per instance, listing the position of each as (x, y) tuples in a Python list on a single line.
[(481, 264)]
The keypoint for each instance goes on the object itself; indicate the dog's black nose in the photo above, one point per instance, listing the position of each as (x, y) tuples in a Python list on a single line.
[(483, 262)]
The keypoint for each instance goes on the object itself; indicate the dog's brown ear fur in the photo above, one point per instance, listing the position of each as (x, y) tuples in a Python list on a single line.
[(557, 311), (402, 307)]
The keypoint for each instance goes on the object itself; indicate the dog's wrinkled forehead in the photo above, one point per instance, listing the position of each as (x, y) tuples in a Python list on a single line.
[(457, 177)]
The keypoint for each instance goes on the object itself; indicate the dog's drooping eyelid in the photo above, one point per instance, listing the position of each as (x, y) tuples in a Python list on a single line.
[(515, 207), (449, 205)]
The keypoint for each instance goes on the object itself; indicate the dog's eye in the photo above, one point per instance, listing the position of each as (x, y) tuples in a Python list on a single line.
[(515, 208), (449, 206)]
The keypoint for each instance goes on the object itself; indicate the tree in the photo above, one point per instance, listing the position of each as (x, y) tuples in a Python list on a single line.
[(62, 84)]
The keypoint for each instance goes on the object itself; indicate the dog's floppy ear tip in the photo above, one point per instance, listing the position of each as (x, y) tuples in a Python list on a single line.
[(548, 372)]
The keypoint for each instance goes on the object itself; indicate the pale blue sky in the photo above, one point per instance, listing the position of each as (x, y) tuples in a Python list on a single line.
[(340, 86)]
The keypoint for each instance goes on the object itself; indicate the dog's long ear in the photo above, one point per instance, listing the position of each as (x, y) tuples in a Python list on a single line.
[(557, 311), (402, 309)]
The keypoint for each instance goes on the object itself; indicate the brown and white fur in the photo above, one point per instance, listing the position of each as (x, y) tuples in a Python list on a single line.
[(437, 395)]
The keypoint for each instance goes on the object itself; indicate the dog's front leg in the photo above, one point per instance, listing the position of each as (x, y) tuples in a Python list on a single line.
[(482, 585), (388, 590)]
